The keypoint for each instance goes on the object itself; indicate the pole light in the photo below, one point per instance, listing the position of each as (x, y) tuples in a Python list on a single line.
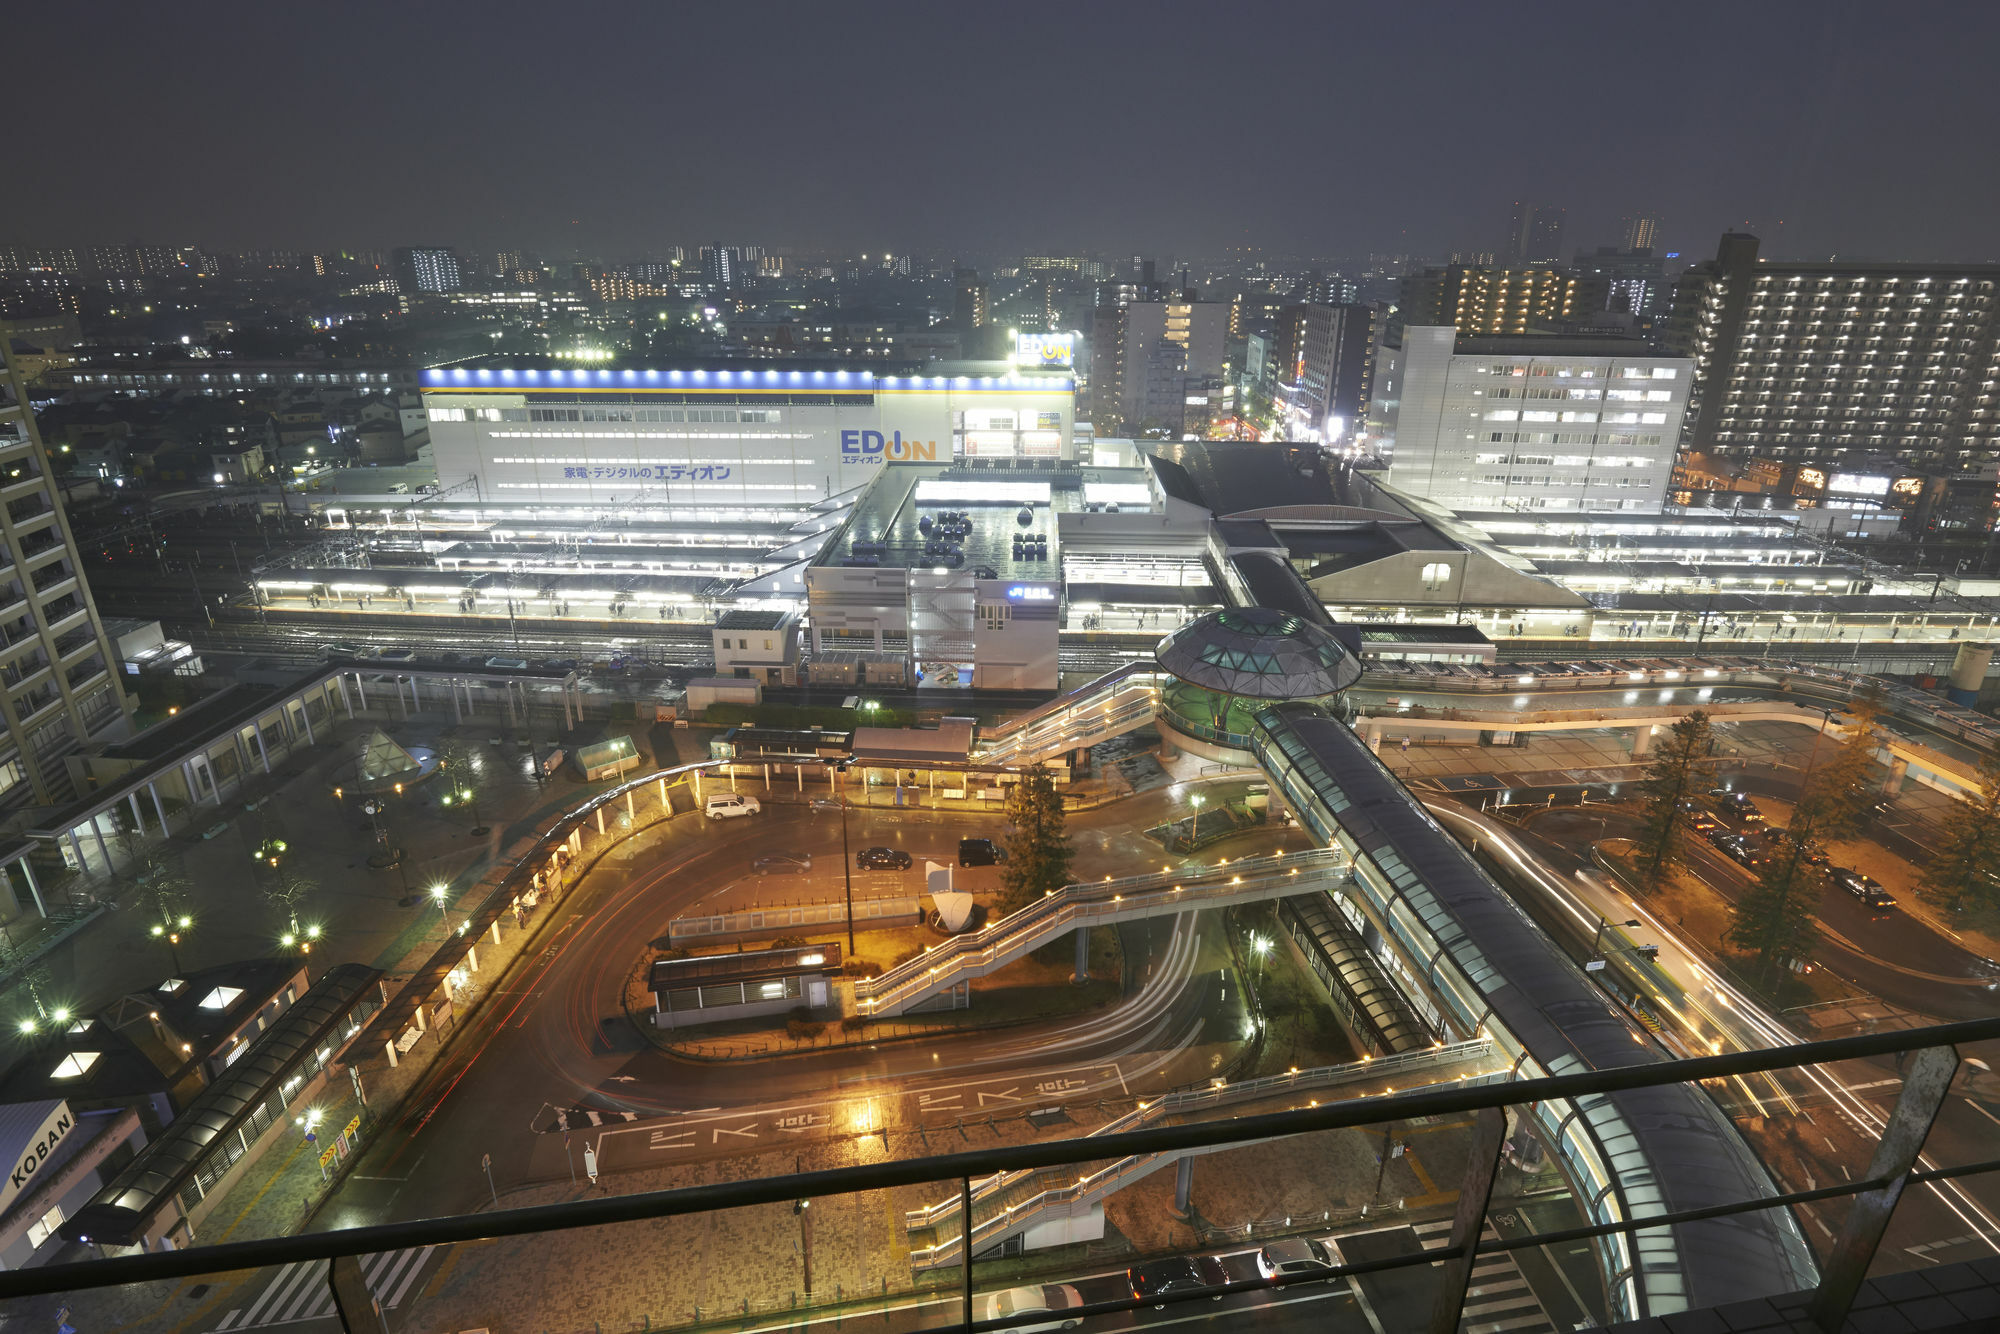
[(1194, 826), (1598, 939)]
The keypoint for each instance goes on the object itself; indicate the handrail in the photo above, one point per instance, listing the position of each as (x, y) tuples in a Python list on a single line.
[(1062, 909), (1026, 720), (597, 1211), (1247, 1090)]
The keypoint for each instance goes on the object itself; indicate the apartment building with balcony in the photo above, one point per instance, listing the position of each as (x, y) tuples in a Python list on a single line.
[(58, 689), (1835, 362)]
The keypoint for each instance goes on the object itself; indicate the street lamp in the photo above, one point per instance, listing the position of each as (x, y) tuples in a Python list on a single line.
[(439, 894), (1603, 922), (1194, 825), (170, 931), (1260, 945), (846, 859)]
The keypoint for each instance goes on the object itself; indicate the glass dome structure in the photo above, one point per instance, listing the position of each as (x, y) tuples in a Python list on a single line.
[(1227, 665)]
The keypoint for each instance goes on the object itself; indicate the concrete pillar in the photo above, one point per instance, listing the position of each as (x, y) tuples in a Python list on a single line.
[(389, 1050), (34, 890), (359, 693), (1899, 770), (1642, 740), (600, 819), (422, 1027), (305, 721), (1371, 732), (138, 819), (341, 683), (1082, 973), (1968, 672), (1183, 1185), (456, 716), (472, 958), (97, 832), (630, 813), (159, 808), (496, 931)]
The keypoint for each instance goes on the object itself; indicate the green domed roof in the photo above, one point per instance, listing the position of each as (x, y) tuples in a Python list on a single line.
[(1260, 653)]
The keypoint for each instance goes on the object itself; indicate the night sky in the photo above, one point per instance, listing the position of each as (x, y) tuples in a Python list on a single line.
[(1169, 127)]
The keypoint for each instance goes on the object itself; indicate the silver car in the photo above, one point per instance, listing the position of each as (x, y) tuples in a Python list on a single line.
[(1028, 1310)]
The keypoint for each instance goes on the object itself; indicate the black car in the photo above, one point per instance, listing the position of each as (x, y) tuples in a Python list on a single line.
[(1862, 887), (1779, 841), (980, 852), (1180, 1273), (1737, 848), (882, 859)]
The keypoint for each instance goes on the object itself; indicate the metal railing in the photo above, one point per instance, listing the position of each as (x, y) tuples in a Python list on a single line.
[(977, 953), (1181, 1102), (1116, 702), (1928, 1071)]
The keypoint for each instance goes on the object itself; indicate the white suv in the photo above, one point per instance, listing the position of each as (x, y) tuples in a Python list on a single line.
[(722, 805)]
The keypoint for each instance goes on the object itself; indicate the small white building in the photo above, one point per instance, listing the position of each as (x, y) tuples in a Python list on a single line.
[(1529, 422), (761, 646), (1015, 629)]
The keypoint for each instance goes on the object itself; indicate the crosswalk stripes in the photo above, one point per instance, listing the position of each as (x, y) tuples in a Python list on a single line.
[(300, 1292), (575, 1118), (1498, 1300)]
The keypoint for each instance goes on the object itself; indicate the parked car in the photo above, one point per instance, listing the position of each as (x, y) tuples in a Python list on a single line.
[(725, 805), (1698, 817), (1032, 1310), (818, 804), (882, 859), (783, 863), (1176, 1274), (1737, 848), (1780, 840), (1299, 1255), (1736, 808), (1862, 887), (980, 852)]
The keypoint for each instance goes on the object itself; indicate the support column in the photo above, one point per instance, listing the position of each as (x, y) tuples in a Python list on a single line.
[(666, 802), (1924, 1089), (471, 959), (600, 819), (34, 890), (340, 683), (456, 716), (1642, 740), (1489, 1133), (159, 809), (1371, 732), (1899, 770), (359, 693), (1183, 1186), (138, 819), (305, 721), (630, 813), (257, 730), (1082, 973), (97, 832), (496, 931)]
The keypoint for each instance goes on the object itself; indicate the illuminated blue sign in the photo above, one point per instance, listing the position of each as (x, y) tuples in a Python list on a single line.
[(1031, 593)]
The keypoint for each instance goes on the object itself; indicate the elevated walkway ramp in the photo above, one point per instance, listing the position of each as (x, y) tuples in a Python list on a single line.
[(1081, 906)]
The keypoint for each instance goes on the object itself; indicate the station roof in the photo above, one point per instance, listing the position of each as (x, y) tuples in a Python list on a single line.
[(1229, 478), (720, 970)]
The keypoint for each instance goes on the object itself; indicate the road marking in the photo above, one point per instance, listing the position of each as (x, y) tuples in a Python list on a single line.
[(748, 1132), (800, 1122), (1009, 1095), (664, 1139), (927, 1102)]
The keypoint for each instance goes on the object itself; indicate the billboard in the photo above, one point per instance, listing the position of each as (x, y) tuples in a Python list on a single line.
[(1049, 349)]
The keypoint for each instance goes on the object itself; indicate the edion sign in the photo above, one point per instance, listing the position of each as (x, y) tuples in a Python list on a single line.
[(873, 447), (21, 1174)]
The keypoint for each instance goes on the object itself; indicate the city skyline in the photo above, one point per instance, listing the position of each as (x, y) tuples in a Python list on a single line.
[(1081, 120)]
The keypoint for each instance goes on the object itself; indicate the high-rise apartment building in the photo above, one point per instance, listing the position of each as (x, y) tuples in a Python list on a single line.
[(1826, 361), (1485, 300), (58, 688), (969, 299), (1535, 233), (1624, 282), (1324, 357), (1532, 422), (1642, 232), (722, 266), (1128, 368), (427, 269)]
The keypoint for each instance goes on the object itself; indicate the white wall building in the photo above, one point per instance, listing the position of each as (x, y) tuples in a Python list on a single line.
[(1533, 422), (747, 435)]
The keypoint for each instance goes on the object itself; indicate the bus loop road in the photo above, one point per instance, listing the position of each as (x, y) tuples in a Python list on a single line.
[(555, 1046)]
